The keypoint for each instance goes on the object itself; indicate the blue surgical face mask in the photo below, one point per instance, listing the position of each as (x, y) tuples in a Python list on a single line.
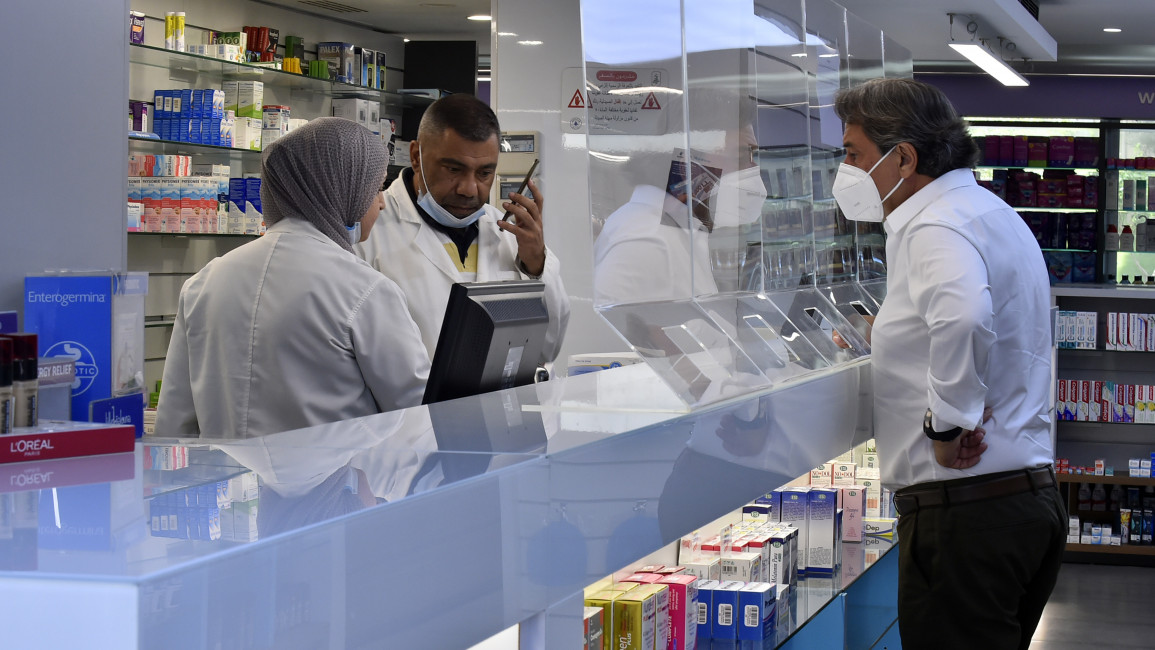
[(434, 209), (354, 233)]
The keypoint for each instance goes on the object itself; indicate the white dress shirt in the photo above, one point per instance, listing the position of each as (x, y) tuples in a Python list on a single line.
[(286, 332), (965, 325)]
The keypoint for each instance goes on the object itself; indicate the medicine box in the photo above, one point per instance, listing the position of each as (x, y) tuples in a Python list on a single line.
[(821, 475), (724, 611), (853, 511), (744, 566), (98, 320), (633, 621), (683, 607), (592, 625), (704, 568), (340, 59), (757, 603), (795, 504), (661, 596), (822, 509), (844, 474)]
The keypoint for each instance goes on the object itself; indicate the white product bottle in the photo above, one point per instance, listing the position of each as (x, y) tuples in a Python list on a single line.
[(1111, 242), (1127, 239), (1084, 496), (1099, 498)]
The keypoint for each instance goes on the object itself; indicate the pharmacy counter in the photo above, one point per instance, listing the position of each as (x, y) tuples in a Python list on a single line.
[(433, 527)]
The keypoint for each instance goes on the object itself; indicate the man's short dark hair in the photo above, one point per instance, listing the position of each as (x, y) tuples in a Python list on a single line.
[(467, 115), (892, 111)]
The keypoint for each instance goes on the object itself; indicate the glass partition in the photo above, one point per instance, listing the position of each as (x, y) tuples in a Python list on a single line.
[(720, 254)]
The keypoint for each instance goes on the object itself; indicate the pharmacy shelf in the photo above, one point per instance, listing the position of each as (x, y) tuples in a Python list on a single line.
[(1031, 168), (1023, 208), (1103, 291), (1110, 480), (183, 64), (1098, 432), (1130, 549), (193, 235), (1068, 250), (155, 146)]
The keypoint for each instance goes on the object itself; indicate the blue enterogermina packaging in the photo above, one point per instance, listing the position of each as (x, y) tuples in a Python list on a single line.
[(96, 319)]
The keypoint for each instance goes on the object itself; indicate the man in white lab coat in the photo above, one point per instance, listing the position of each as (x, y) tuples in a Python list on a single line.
[(437, 228), (293, 330)]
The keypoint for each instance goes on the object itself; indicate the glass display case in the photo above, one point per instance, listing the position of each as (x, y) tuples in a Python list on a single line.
[(432, 527), (1130, 202), (720, 254)]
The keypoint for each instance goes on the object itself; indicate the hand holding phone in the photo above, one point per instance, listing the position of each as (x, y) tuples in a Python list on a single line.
[(521, 189)]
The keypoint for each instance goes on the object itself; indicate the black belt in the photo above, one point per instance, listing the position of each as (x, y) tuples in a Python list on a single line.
[(966, 490)]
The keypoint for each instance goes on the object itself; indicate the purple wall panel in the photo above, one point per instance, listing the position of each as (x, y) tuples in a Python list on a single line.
[(1049, 96)]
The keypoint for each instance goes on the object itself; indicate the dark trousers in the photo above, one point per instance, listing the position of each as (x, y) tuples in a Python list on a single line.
[(978, 574)]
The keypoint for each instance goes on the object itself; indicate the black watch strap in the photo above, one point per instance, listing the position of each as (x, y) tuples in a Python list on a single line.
[(938, 436)]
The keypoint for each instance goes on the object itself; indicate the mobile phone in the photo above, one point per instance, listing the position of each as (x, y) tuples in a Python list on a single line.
[(860, 308), (521, 189)]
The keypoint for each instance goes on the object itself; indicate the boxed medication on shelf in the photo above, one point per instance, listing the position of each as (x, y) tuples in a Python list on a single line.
[(592, 628), (744, 566), (633, 621), (822, 475), (683, 608), (757, 605), (723, 610), (822, 534)]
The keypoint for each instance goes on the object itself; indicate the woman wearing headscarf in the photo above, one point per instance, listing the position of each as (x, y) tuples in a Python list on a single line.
[(293, 329)]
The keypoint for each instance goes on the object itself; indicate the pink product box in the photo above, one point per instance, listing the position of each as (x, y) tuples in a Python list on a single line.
[(683, 590), (1037, 152), (1051, 200), (853, 510), (991, 150), (1086, 151), (643, 578), (1052, 186), (1020, 150), (1061, 151), (1006, 150)]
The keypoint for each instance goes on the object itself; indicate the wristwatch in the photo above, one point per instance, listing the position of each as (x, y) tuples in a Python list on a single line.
[(938, 436)]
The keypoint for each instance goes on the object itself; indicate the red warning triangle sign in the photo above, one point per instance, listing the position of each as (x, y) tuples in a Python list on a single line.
[(577, 101), (651, 103)]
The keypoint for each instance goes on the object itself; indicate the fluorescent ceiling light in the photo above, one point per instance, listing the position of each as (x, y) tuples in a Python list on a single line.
[(1113, 30), (529, 42), (990, 64), (507, 33), (480, 17)]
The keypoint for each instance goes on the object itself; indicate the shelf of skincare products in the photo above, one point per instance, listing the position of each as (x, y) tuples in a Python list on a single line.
[(777, 562), (195, 64), (1110, 549)]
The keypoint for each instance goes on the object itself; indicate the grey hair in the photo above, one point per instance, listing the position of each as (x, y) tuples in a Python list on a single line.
[(892, 111), (467, 115)]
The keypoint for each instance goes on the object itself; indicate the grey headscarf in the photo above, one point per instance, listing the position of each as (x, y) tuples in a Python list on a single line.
[(325, 172)]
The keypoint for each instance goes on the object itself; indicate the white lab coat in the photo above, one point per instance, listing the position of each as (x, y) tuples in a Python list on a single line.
[(645, 253), (410, 253), (286, 332)]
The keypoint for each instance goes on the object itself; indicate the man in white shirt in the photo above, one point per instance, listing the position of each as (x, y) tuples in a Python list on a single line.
[(962, 373), (437, 227)]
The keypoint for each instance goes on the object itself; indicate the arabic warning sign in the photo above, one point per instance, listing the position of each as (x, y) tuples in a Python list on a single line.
[(614, 101)]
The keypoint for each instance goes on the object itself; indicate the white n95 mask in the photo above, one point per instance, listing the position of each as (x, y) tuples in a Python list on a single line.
[(741, 195), (856, 194), (440, 214)]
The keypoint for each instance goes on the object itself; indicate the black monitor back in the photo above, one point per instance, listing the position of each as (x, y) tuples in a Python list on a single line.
[(491, 338)]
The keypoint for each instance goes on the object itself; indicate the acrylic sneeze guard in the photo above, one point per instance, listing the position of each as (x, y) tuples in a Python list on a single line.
[(720, 255)]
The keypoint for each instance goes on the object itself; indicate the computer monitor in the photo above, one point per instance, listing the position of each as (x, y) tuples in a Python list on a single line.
[(491, 338)]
